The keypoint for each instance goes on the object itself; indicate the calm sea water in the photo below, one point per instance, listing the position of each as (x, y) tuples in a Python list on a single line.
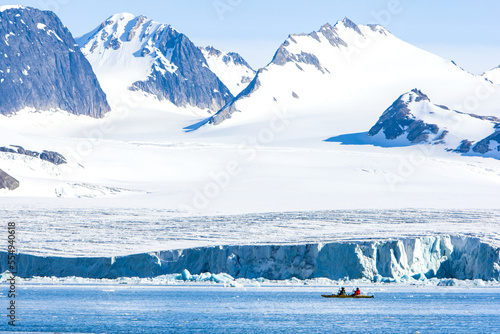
[(188, 309)]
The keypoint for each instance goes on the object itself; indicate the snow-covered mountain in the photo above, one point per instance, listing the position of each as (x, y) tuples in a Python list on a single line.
[(230, 67), (41, 66), (414, 119), (493, 75), (268, 150), (337, 80), (135, 53)]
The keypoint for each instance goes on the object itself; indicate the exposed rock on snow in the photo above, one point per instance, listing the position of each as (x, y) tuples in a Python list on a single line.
[(43, 68), (490, 143), (493, 75), (7, 181), (413, 116), (398, 120), (441, 257), (50, 156), (230, 108), (230, 67)]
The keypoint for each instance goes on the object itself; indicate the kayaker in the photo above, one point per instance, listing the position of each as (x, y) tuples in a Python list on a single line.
[(342, 291), (357, 292)]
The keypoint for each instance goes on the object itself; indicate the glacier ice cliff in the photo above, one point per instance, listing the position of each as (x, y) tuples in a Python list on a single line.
[(432, 256)]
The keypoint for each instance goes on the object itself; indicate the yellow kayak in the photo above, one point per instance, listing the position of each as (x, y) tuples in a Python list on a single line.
[(346, 296)]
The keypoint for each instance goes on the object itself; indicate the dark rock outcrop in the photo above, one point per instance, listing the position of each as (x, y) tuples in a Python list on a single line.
[(483, 146), (228, 57), (42, 66), (283, 57), (7, 181), (54, 157), (398, 120), (50, 156), (465, 146), (239, 77)]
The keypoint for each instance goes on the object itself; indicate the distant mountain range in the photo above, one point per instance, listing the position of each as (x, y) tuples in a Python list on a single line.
[(336, 79)]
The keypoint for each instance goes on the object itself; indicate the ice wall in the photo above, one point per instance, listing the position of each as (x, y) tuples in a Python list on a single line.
[(432, 256)]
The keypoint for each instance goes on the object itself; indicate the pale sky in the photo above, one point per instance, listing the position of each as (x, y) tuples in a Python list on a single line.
[(464, 31)]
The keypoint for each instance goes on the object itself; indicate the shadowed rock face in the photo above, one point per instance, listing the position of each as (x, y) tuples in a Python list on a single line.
[(483, 146), (398, 120), (43, 68), (465, 146), (7, 181), (192, 83)]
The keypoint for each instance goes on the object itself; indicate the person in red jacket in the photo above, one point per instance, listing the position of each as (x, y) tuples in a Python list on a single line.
[(357, 292)]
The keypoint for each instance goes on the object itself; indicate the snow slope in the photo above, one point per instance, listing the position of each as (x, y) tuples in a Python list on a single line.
[(230, 67), (493, 75)]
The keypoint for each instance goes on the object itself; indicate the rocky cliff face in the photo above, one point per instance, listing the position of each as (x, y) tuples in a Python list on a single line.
[(7, 181), (41, 66), (192, 83)]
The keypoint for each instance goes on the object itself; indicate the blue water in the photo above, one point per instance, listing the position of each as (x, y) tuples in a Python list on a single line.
[(143, 309)]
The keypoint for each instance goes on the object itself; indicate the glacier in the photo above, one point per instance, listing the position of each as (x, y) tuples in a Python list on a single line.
[(440, 256)]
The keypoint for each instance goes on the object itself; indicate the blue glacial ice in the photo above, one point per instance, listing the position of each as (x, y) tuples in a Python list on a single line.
[(419, 258)]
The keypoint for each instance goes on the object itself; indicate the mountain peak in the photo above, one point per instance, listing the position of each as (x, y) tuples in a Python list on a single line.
[(405, 117), (42, 69), (348, 23), (7, 7), (326, 26), (122, 16), (417, 96), (230, 67)]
